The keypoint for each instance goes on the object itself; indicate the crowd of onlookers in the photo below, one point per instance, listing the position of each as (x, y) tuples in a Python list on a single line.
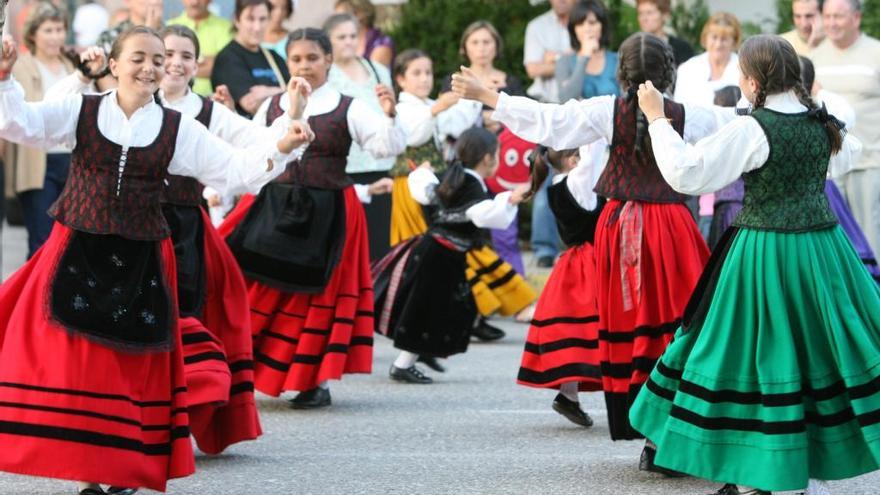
[(567, 54)]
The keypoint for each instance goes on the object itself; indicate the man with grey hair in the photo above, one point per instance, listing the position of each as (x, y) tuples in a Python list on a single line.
[(807, 32), (848, 63)]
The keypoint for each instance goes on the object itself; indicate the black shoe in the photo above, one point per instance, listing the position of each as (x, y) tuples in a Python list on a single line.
[(731, 489), (486, 332), (646, 463), (91, 491), (545, 262), (409, 375), (115, 490), (431, 362), (311, 399), (572, 411)]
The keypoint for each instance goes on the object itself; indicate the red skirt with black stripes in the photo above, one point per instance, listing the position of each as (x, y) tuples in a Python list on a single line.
[(649, 257), (562, 345), (74, 409), (218, 353), (301, 340)]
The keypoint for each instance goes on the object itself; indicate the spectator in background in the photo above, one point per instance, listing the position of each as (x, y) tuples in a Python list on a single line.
[(140, 13), (807, 32), (39, 175), (251, 72), (653, 16), (214, 33), (547, 39), (372, 43), (90, 20), (275, 38), (592, 69), (848, 63), (358, 77)]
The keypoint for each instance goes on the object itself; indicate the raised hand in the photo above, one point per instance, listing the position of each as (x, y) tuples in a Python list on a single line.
[(467, 85), (444, 102), (297, 135), (519, 194), (650, 101), (223, 96), (10, 55), (386, 100), (154, 14), (298, 90), (93, 60), (589, 46)]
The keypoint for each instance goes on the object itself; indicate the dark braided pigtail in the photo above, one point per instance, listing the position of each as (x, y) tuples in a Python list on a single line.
[(834, 128)]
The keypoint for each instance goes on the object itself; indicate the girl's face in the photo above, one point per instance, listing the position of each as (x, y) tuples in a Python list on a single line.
[(480, 48), (180, 63), (590, 29), (651, 20), (140, 66), (748, 86), (488, 166), (719, 45), (344, 38), (49, 38), (279, 12), (306, 59), (570, 162), (251, 26), (418, 78)]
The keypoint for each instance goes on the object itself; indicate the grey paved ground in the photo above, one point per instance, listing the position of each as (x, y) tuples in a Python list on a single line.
[(473, 432)]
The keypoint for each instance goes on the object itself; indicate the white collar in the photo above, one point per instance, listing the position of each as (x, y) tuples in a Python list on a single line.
[(112, 99), (784, 103), (411, 98)]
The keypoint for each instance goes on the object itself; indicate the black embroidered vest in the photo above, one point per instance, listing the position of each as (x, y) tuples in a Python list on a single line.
[(576, 225), (112, 192), (187, 191), (788, 192), (450, 220), (634, 176)]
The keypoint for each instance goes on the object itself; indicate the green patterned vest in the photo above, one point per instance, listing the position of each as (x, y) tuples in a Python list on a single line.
[(787, 194), (427, 152)]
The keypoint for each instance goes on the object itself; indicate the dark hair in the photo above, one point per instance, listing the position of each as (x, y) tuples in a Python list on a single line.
[(40, 14), (183, 32), (335, 20), (541, 159), (402, 61), (473, 28), (288, 5), (727, 96), (316, 36), (241, 5), (116, 48), (775, 67), (664, 6), (644, 57), (471, 147), (808, 73), (364, 10), (579, 15)]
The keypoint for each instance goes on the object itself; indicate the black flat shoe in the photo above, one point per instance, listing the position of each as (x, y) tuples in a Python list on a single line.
[(431, 362), (311, 399), (731, 489), (572, 411), (486, 332), (115, 490), (91, 491), (409, 375), (646, 463)]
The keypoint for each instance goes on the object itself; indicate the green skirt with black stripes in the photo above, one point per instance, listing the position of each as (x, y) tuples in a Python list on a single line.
[(778, 380)]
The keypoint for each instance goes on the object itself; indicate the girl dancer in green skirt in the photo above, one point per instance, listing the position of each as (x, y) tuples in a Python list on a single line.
[(773, 381)]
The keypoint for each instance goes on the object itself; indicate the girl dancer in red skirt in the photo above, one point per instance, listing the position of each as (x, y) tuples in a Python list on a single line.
[(302, 243), (649, 253), (562, 346), (91, 364)]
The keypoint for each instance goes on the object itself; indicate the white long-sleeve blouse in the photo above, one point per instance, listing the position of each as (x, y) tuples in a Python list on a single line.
[(414, 114), (197, 152), (495, 213)]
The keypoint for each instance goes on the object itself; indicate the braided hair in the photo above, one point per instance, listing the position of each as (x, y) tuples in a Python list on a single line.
[(471, 147), (644, 57), (774, 66), (541, 159)]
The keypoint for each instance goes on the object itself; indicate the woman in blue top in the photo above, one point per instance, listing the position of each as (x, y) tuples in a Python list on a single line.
[(592, 69)]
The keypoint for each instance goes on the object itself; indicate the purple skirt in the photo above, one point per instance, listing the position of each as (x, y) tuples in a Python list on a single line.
[(852, 229)]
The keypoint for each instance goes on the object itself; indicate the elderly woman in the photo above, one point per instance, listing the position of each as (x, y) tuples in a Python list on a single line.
[(592, 69), (653, 16), (701, 76), (38, 176), (372, 43)]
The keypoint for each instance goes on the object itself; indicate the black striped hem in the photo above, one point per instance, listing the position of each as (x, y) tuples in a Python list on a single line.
[(85, 414), (561, 344), (93, 438), (486, 270), (284, 338), (272, 363), (503, 280), (575, 370), (565, 320), (625, 370), (204, 356), (93, 395), (629, 336), (197, 338), (242, 365), (241, 388)]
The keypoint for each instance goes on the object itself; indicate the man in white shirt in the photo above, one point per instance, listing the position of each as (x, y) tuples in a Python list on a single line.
[(546, 40), (807, 32), (848, 63)]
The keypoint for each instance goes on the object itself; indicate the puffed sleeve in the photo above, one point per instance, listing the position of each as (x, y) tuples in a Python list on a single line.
[(569, 125), (375, 132), (422, 182), (712, 163), (44, 124), (701, 121), (497, 213), (458, 118), (416, 121), (217, 164), (69, 85)]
